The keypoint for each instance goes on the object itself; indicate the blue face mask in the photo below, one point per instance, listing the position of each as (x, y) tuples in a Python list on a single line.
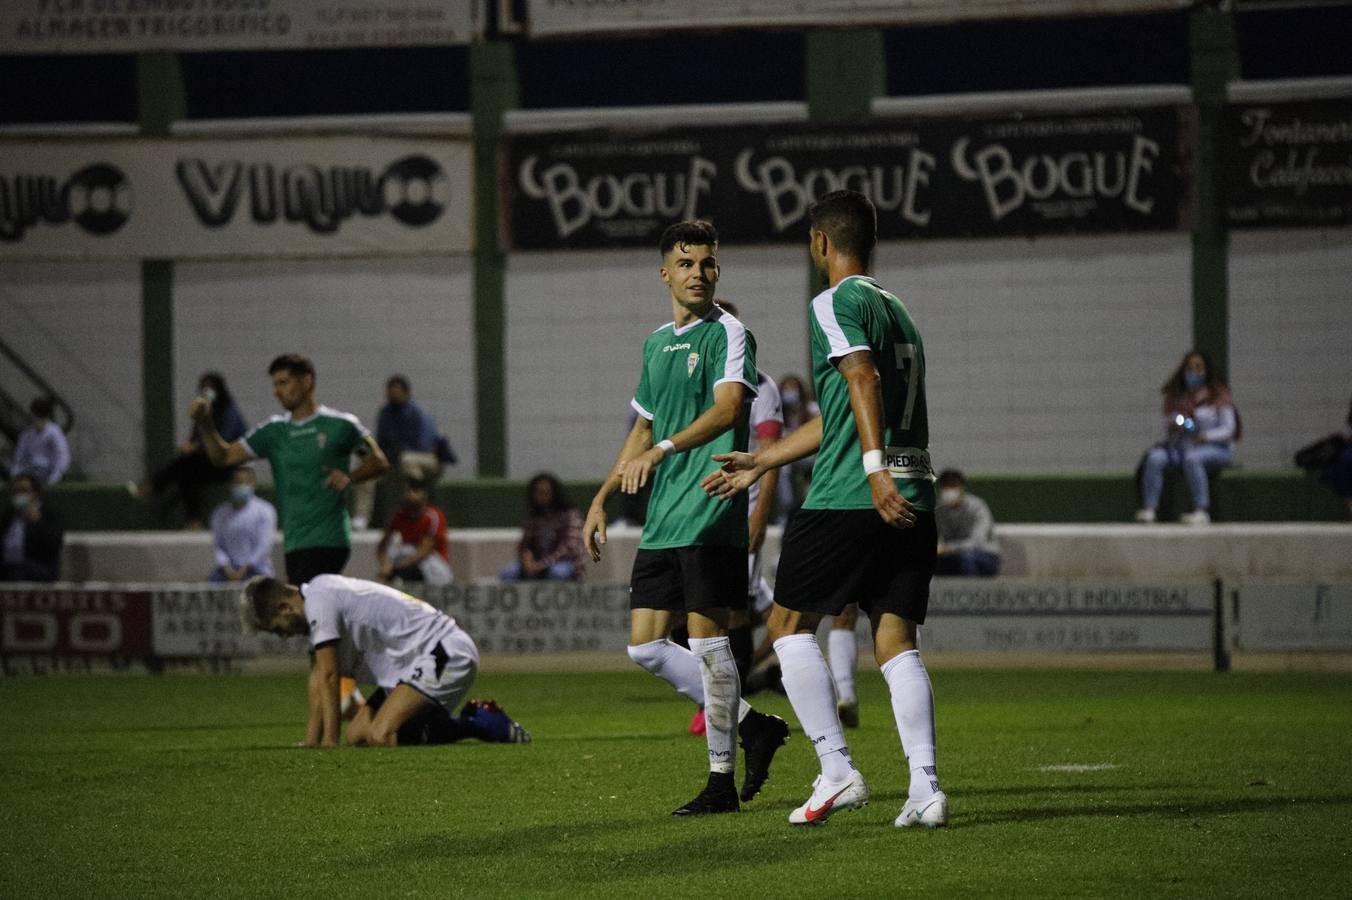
[(1193, 380), (240, 493)]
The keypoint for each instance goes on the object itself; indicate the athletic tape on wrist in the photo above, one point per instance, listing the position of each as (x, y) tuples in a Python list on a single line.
[(873, 462), (667, 446)]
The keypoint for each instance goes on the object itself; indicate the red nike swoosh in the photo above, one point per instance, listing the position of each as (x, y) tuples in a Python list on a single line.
[(820, 812)]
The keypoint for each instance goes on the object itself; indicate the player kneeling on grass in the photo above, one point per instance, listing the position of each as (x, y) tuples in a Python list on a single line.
[(422, 660)]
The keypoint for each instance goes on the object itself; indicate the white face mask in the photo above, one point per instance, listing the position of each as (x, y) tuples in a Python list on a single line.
[(950, 496)]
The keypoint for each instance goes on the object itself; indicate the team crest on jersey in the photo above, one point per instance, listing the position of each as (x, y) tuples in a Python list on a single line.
[(321, 439), (690, 362)]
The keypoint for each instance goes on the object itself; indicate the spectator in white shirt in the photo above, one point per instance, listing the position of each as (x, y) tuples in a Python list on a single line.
[(42, 450), (243, 531), (967, 544)]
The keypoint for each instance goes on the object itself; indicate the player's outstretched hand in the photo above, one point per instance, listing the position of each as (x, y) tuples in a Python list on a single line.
[(893, 507), (338, 480), (636, 472), (594, 532), (739, 472)]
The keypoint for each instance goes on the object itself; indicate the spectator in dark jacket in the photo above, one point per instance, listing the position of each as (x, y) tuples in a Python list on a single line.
[(191, 472), (30, 535)]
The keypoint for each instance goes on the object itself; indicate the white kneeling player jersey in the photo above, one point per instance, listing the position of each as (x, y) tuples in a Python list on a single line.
[(386, 628)]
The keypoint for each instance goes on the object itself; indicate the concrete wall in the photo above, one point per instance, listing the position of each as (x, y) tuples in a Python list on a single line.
[(79, 326), (1290, 338), (360, 321)]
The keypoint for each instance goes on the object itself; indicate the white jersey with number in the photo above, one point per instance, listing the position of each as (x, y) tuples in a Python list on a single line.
[(387, 629)]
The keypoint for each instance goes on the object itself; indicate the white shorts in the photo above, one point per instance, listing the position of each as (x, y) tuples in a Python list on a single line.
[(445, 673)]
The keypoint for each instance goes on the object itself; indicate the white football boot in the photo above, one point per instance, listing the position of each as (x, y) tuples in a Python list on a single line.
[(932, 813), (830, 797)]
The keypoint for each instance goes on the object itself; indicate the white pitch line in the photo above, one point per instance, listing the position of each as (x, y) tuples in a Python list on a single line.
[(1078, 767)]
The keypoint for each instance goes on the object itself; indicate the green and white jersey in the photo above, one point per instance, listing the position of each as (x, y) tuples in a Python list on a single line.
[(301, 454), (681, 368), (855, 315)]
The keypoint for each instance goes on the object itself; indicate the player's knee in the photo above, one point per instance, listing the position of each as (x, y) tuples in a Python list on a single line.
[(650, 655)]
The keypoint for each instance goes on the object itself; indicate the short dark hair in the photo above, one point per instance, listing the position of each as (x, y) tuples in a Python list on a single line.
[(849, 220), (691, 232), (261, 599), (401, 380), (41, 407), (952, 478), (295, 363)]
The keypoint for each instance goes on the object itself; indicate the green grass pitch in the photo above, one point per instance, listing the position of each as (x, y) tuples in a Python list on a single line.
[(1209, 786)]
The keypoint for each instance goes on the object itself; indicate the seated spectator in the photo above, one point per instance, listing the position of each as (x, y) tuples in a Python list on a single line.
[(1331, 457), (190, 472), (551, 535), (408, 436), (243, 531), (42, 451), (967, 544), (30, 535), (1200, 430), (416, 545)]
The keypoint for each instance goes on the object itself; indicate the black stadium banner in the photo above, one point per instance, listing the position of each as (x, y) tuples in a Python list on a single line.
[(1287, 163), (1126, 170)]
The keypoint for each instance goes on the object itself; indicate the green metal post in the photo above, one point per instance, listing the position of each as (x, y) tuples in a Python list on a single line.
[(162, 101), (845, 71), (1215, 62), (494, 92)]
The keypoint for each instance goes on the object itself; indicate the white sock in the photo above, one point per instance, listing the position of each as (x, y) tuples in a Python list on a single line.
[(673, 664), (913, 706), (722, 691), (843, 647), (807, 681)]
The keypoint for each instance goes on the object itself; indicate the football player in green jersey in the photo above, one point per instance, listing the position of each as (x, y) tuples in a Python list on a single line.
[(698, 375), (866, 532), (309, 448)]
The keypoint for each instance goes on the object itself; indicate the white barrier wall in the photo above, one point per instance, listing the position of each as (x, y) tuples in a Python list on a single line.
[(359, 320), (79, 326), (1045, 355), (1290, 334), (575, 328)]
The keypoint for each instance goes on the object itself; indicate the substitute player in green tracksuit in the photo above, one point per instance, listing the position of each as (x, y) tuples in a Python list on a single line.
[(309, 448), (698, 375), (866, 532)]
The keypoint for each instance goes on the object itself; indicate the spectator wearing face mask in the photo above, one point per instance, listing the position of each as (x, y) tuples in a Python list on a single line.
[(190, 473), (967, 544), (30, 534), (1200, 430), (243, 531)]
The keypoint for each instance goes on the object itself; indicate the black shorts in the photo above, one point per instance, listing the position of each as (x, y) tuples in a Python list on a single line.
[(304, 564), (689, 579), (834, 557)]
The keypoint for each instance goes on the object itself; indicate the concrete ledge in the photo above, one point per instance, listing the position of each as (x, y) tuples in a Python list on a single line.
[(1241, 495), (1301, 551)]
